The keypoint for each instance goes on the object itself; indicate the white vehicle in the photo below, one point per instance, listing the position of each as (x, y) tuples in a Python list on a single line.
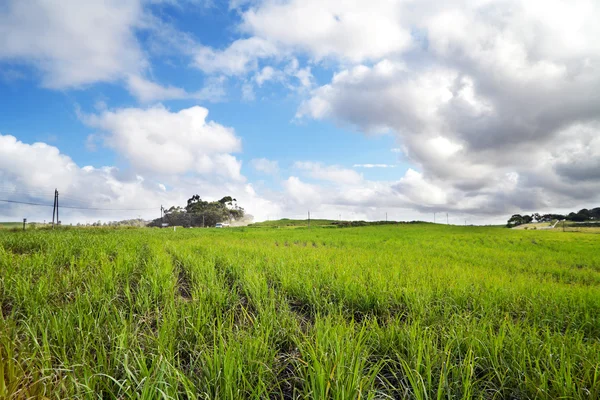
[(221, 225)]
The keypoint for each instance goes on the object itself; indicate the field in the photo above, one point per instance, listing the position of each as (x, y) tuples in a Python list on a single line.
[(286, 223), (10, 224), (406, 311)]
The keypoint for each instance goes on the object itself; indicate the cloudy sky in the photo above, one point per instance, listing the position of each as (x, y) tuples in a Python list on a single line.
[(475, 108)]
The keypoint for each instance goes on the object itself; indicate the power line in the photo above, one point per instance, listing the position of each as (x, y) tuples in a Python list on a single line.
[(38, 193), (26, 202), (77, 208)]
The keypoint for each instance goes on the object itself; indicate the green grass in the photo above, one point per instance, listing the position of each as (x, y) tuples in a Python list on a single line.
[(11, 224), (404, 311)]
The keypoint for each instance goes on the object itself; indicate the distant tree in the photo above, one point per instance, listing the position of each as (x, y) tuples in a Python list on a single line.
[(198, 212), (537, 217), (575, 217), (227, 200), (515, 220)]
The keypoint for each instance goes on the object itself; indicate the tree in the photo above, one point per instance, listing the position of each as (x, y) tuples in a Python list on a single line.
[(515, 220), (198, 212)]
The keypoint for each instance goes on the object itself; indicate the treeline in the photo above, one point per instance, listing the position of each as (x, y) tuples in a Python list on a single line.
[(136, 222), (200, 213), (582, 215)]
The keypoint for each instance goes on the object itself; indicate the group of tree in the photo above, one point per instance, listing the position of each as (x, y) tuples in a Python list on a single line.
[(582, 215), (201, 213), (137, 222)]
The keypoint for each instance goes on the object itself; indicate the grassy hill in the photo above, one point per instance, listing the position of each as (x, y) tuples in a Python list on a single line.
[(285, 222)]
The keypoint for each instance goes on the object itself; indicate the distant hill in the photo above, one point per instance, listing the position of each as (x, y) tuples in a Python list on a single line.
[(294, 222), (284, 222)]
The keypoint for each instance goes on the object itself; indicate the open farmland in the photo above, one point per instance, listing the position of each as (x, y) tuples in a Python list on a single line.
[(405, 311)]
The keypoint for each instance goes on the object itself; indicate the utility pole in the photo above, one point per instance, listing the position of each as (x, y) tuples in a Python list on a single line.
[(309, 218), (161, 215), (24, 222), (55, 208), (386, 217)]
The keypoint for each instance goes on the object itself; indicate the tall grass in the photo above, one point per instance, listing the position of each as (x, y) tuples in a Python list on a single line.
[(408, 311)]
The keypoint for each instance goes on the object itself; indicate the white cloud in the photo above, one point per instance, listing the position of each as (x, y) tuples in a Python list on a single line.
[(417, 190), (373, 166), (30, 172), (266, 74), (160, 141), (490, 104), (239, 58), (302, 193), (27, 169), (331, 173), (248, 92), (291, 76), (146, 91), (270, 167), (74, 43), (494, 102), (304, 75), (349, 30)]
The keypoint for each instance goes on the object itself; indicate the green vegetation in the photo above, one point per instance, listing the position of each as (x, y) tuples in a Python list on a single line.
[(11, 224), (294, 223), (400, 311), (198, 212), (285, 222), (582, 215)]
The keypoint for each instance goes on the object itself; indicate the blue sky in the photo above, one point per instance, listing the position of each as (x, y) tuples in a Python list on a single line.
[(478, 109)]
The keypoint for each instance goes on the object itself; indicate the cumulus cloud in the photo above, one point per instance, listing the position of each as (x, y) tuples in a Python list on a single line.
[(30, 172), (163, 142), (74, 43), (348, 30), (368, 200), (342, 31), (302, 193), (237, 59), (270, 167), (495, 116), (494, 103), (331, 173), (265, 75)]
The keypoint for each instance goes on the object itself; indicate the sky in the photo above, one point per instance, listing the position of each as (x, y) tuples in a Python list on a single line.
[(471, 110)]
